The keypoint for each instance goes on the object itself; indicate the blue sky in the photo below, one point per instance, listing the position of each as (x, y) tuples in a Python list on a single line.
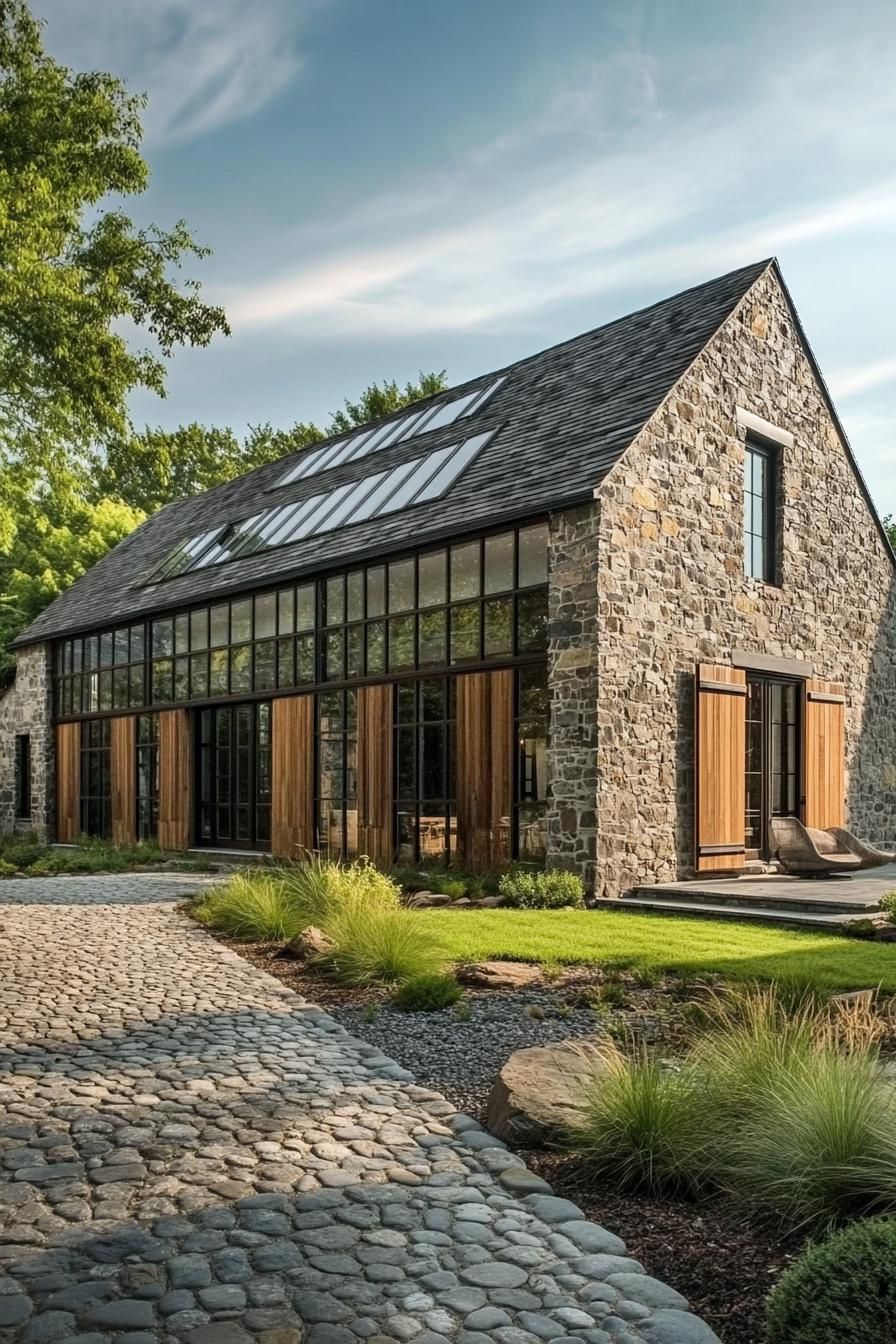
[(396, 185)]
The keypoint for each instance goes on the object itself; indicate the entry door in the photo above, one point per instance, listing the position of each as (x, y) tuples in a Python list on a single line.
[(773, 758), (235, 776)]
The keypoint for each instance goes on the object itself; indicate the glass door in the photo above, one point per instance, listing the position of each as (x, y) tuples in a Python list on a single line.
[(773, 758), (234, 769)]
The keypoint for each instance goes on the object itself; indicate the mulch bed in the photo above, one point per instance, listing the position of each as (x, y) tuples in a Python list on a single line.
[(723, 1264)]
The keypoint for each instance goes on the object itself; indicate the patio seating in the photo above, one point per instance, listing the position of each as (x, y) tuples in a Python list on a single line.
[(869, 856), (805, 852)]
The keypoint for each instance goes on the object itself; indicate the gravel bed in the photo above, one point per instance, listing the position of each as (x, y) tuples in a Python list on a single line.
[(459, 1057)]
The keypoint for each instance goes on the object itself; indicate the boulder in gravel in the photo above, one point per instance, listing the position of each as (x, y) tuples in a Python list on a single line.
[(498, 974), (422, 900), (537, 1093), (310, 944)]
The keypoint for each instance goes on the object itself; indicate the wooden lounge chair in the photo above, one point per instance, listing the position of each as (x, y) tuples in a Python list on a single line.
[(806, 852), (869, 856)]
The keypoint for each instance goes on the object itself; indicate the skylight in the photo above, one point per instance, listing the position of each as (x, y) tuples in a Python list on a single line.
[(395, 488), (406, 427)]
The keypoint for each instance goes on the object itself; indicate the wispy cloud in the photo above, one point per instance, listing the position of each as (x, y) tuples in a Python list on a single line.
[(203, 63), (863, 378)]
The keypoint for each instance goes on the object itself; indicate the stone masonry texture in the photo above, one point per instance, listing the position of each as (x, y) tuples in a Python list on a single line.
[(662, 558), (26, 707), (190, 1153)]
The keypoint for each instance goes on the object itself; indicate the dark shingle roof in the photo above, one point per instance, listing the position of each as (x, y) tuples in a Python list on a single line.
[(564, 416)]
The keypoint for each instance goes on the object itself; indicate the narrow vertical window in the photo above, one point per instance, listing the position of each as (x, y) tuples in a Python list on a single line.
[(23, 776), (760, 513)]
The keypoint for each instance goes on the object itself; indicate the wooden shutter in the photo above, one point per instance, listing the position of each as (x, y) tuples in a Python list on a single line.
[(824, 753), (124, 780), (68, 782), (720, 772), (375, 773), (484, 776), (292, 775), (174, 779)]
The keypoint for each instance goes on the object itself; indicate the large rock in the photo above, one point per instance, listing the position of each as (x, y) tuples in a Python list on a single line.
[(498, 974), (310, 944), (537, 1094)]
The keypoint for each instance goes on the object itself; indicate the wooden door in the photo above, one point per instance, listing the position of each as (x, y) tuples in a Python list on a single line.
[(484, 767), (720, 768), (824, 753), (68, 782), (375, 773), (124, 780), (292, 772), (174, 779)]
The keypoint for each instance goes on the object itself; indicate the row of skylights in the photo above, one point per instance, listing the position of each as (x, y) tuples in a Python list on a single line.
[(425, 478), (395, 431)]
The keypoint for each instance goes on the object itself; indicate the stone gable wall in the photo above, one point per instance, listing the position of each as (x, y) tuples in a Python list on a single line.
[(26, 707), (672, 591)]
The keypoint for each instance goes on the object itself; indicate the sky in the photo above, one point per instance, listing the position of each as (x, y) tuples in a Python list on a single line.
[(397, 185)]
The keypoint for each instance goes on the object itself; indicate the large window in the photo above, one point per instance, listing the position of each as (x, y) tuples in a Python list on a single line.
[(234, 776), (478, 601), (760, 512), (147, 776), (424, 774), (337, 784), (23, 776), (96, 785), (531, 774)]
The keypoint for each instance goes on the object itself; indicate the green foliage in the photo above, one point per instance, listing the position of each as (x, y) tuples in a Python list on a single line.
[(7, 869), (427, 993), (28, 855), (382, 399), (319, 890), (254, 906), (840, 1292), (75, 272), (890, 529), (785, 1108), (541, 891), (380, 945), (455, 887), (888, 905), (642, 1127)]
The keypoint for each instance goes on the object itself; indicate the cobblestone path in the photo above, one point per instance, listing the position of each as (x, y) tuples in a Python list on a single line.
[(191, 1153)]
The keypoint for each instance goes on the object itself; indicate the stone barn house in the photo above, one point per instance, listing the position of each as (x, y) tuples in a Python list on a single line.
[(613, 607)]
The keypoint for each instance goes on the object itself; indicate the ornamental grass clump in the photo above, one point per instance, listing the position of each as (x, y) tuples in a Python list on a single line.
[(252, 906), (643, 1127), (380, 945), (319, 890), (429, 993), (840, 1292)]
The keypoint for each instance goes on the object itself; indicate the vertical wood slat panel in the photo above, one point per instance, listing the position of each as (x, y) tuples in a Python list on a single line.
[(292, 775), (484, 774), (720, 769), (68, 782), (824, 753), (124, 780), (174, 779), (375, 773)]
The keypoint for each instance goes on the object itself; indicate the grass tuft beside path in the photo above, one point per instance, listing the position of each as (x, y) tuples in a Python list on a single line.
[(829, 962)]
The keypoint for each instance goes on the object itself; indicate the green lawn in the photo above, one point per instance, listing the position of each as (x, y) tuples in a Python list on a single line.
[(693, 946)]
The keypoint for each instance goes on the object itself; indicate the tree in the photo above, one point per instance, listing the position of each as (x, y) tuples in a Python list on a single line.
[(150, 469), (890, 529), (71, 272)]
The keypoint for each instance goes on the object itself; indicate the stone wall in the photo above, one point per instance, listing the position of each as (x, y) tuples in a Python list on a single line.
[(25, 707), (573, 551), (672, 591)]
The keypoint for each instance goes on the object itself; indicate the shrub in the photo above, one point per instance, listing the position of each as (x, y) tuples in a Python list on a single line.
[(888, 905), (642, 1126), (380, 945), (541, 891), (7, 869), (455, 887), (254, 906), (841, 1292), (427, 994)]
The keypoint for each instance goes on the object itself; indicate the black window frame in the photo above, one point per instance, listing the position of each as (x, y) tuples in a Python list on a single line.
[(23, 789), (96, 766), (768, 454)]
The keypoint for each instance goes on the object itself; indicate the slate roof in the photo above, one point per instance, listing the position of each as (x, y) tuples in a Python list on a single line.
[(564, 417)]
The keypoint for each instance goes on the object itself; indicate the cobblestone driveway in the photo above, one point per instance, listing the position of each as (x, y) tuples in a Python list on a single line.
[(189, 1152)]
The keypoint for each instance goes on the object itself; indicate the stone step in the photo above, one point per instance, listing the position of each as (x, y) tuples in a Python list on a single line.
[(751, 913), (795, 897)]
